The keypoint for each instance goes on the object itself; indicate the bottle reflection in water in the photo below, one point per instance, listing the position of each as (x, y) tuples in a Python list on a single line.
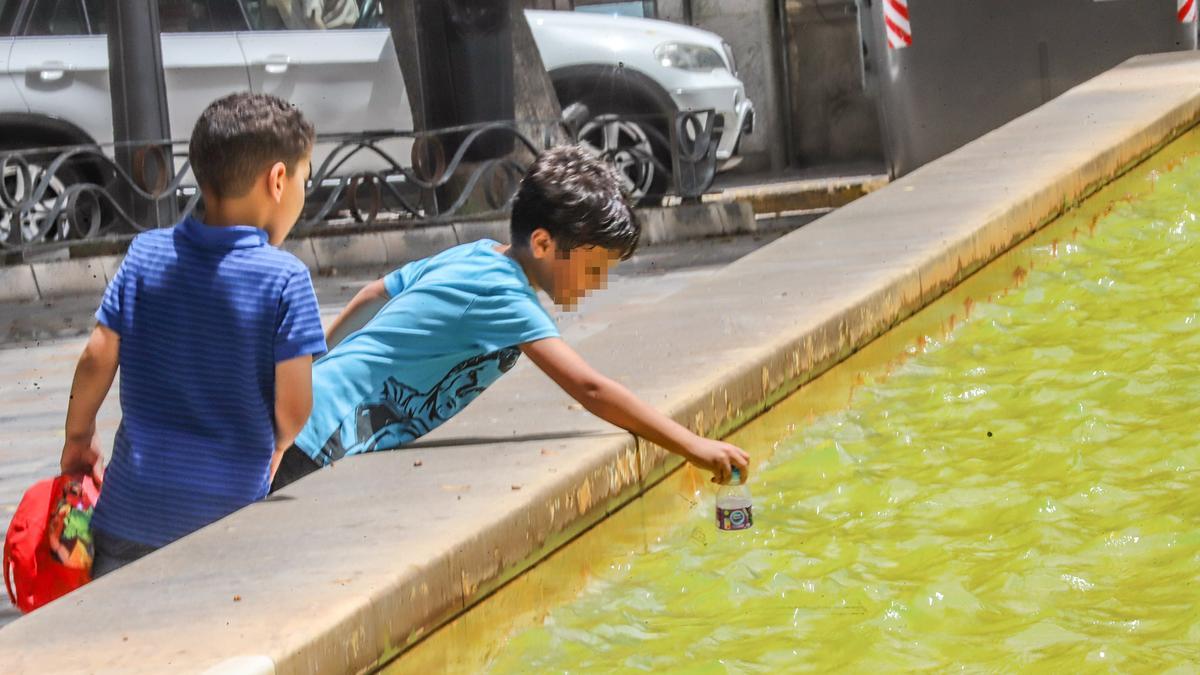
[(735, 510)]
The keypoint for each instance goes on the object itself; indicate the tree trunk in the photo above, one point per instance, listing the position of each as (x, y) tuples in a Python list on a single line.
[(535, 105)]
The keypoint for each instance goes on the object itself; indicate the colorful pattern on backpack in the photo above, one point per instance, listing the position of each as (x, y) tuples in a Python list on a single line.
[(48, 548)]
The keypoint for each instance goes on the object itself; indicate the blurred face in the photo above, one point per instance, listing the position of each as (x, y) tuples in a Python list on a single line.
[(287, 197), (568, 276), (579, 272)]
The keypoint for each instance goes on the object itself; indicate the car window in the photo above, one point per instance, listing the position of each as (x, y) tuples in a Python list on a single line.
[(314, 14), (180, 16), (8, 13), (639, 8), (199, 16), (56, 17)]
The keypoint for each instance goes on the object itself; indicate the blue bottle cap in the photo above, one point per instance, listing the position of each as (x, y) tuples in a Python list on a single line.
[(735, 477)]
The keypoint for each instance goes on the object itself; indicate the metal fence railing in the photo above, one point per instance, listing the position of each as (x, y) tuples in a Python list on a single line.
[(54, 196)]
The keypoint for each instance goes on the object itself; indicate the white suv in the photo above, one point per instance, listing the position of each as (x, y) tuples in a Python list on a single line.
[(338, 64), (645, 70)]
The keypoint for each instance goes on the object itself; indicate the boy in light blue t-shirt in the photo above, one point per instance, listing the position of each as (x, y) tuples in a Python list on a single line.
[(414, 348)]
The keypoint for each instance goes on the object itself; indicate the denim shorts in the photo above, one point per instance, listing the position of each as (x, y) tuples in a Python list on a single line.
[(113, 553)]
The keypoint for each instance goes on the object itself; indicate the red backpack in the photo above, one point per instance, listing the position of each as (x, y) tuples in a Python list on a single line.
[(48, 549)]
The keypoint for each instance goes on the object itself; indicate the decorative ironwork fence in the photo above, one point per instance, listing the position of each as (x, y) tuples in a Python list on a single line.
[(49, 196)]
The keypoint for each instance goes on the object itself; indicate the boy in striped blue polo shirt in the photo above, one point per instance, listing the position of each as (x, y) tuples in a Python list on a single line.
[(214, 330)]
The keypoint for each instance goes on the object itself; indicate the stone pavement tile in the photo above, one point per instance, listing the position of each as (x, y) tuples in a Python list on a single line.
[(17, 283), (72, 277), (413, 244), (302, 249), (485, 229), (348, 251)]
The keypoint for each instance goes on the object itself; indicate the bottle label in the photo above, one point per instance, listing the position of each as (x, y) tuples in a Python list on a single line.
[(735, 519)]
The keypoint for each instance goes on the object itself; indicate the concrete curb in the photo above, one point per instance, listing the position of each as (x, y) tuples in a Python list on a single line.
[(801, 195), (387, 246), (361, 560)]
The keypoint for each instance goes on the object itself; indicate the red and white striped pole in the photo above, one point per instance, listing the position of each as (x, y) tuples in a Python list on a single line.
[(895, 20), (1186, 10)]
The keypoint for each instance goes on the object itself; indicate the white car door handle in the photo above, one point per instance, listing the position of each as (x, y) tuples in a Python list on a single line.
[(51, 71), (277, 64)]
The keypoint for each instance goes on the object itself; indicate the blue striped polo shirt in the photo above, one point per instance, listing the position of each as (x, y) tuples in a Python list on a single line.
[(204, 314)]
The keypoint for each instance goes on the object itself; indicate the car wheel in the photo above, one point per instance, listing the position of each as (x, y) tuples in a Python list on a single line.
[(625, 145), (635, 148), (33, 223)]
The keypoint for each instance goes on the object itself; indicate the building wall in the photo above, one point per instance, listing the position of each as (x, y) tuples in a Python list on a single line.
[(673, 10), (819, 89), (749, 26), (833, 119)]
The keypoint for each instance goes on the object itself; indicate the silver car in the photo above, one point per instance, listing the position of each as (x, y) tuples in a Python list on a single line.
[(54, 71)]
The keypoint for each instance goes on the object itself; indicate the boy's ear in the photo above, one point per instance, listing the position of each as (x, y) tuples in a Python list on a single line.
[(277, 180), (541, 244)]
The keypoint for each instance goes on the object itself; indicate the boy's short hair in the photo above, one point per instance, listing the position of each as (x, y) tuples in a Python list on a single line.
[(577, 198), (241, 135)]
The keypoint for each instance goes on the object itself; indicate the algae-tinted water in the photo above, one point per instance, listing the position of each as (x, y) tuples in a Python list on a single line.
[(1022, 493)]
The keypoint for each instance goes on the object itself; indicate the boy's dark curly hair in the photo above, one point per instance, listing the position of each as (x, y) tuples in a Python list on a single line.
[(241, 135), (577, 198)]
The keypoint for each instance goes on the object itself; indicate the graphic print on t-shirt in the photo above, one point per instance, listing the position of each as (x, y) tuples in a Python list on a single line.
[(400, 413)]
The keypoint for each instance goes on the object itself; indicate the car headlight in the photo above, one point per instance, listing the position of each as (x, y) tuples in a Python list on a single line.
[(689, 57)]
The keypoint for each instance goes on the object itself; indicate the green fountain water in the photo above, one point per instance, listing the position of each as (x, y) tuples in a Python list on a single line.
[(1023, 492), (1008, 481)]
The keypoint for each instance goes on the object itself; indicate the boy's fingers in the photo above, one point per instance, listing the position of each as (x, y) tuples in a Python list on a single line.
[(726, 470), (742, 460)]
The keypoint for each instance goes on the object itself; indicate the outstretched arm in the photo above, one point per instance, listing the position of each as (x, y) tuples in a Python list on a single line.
[(365, 304), (93, 378), (614, 403)]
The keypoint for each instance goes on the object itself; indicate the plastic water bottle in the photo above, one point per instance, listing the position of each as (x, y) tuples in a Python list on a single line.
[(735, 509)]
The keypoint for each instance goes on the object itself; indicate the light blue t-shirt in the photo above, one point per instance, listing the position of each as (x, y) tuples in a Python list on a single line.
[(452, 327)]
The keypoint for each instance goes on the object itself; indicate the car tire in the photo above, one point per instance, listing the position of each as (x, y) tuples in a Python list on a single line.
[(626, 134), (89, 211), (630, 144)]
